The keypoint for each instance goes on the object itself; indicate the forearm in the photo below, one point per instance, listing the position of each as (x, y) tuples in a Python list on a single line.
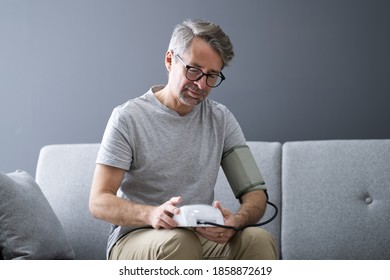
[(253, 205), (119, 211), (105, 205)]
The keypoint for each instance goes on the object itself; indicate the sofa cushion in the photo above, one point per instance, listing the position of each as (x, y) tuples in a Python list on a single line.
[(335, 199), (65, 173), (29, 229)]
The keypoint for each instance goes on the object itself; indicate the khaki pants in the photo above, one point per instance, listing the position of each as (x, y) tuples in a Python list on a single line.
[(185, 244)]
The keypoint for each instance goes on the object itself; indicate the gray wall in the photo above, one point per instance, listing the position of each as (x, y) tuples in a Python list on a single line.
[(304, 70)]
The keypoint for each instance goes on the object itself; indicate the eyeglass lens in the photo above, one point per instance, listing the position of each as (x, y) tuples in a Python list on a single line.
[(195, 74)]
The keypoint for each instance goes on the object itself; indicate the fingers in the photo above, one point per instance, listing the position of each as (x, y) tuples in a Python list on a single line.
[(216, 234), (175, 200), (170, 209), (164, 219), (171, 206), (225, 212), (162, 215)]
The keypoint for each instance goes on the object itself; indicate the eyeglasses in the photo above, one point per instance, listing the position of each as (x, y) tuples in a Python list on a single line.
[(195, 74)]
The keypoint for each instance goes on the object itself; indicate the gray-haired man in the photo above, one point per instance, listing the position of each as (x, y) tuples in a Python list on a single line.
[(164, 149)]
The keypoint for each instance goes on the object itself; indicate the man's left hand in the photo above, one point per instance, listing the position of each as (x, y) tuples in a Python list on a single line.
[(219, 234)]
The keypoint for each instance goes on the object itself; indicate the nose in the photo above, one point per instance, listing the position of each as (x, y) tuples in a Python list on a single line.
[(201, 83)]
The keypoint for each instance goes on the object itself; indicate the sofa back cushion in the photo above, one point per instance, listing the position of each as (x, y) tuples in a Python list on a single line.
[(336, 199), (65, 173), (268, 158)]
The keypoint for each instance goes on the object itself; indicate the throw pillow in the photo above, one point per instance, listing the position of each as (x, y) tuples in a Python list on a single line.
[(29, 228)]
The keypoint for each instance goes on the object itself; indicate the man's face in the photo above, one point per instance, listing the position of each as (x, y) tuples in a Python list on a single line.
[(200, 55)]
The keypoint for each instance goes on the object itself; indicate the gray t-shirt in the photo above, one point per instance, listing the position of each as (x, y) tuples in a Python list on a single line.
[(165, 154)]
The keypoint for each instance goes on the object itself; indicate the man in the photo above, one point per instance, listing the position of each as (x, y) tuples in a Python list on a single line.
[(164, 149)]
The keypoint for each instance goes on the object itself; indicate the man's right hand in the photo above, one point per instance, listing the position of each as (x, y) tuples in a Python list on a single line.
[(161, 216)]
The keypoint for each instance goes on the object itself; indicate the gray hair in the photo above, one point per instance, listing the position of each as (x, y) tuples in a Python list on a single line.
[(184, 33)]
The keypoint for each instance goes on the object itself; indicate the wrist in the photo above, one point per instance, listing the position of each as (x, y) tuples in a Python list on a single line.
[(148, 214), (239, 220)]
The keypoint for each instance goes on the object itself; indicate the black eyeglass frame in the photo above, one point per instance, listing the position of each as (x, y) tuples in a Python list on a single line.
[(188, 67)]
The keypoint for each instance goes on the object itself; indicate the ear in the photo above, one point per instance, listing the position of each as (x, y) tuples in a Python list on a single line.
[(169, 60)]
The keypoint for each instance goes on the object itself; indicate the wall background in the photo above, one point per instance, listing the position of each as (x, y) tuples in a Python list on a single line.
[(303, 70)]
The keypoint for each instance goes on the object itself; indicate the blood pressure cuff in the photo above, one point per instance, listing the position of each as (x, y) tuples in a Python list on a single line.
[(242, 171)]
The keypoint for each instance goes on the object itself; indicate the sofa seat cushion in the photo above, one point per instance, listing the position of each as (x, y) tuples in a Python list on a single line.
[(336, 197), (29, 229)]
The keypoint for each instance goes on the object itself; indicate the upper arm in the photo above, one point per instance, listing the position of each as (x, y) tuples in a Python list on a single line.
[(103, 202), (106, 180)]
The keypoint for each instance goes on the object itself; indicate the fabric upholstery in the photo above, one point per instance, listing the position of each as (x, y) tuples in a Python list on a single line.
[(65, 174), (333, 196), (336, 199), (29, 229)]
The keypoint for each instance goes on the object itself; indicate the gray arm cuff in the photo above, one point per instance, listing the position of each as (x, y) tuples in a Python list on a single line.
[(242, 171)]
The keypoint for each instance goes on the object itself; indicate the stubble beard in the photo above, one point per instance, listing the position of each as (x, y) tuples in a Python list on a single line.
[(190, 100)]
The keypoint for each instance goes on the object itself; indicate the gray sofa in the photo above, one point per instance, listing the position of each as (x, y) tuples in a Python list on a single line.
[(333, 197)]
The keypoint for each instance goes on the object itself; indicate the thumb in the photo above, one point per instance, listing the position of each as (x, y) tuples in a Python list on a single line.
[(224, 211)]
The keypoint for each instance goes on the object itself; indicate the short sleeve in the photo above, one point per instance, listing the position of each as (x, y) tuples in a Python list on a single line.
[(115, 149), (234, 135)]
